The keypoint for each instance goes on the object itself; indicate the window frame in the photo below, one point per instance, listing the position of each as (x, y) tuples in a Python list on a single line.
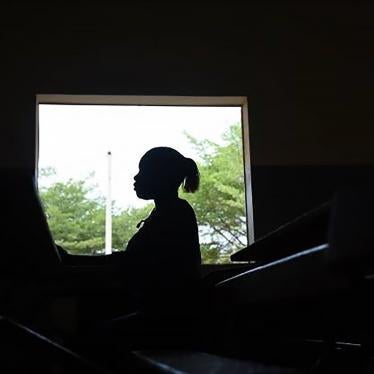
[(144, 100)]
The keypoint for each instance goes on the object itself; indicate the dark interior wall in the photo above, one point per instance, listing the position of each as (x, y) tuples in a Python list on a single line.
[(306, 70)]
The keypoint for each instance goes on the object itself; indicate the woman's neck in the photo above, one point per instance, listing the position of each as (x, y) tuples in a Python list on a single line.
[(165, 201)]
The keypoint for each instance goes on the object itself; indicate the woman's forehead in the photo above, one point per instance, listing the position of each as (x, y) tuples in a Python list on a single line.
[(145, 162), (160, 157), (150, 165)]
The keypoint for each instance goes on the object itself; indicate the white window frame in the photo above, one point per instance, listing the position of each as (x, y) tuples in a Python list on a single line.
[(141, 100)]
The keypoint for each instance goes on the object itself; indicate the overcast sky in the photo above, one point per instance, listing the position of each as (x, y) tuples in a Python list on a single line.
[(75, 139)]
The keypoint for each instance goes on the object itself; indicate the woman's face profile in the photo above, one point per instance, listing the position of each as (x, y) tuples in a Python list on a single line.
[(156, 177), (145, 184), (151, 181)]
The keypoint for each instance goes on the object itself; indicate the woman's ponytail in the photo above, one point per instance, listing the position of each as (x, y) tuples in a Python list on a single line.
[(192, 176)]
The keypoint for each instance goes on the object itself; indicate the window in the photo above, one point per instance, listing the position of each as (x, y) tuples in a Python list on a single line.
[(88, 152)]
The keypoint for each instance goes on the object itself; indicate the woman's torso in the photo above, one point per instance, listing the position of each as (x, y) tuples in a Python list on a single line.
[(164, 254)]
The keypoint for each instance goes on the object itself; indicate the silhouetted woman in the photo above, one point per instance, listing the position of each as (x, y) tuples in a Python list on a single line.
[(163, 257)]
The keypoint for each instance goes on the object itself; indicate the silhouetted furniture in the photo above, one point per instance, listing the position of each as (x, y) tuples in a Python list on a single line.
[(318, 295), (26, 351), (306, 231), (27, 247), (303, 298), (32, 273), (184, 361)]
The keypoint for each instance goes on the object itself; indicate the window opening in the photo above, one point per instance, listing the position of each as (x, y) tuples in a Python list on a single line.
[(88, 153)]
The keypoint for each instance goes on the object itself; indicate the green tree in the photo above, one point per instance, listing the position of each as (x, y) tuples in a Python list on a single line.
[(220, 201), (75, 219), (76, 216)]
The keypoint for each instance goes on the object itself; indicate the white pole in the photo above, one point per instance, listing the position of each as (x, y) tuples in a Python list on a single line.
[(108, 212)]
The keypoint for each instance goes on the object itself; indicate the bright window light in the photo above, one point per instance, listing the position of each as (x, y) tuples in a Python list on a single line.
[(73, 144)]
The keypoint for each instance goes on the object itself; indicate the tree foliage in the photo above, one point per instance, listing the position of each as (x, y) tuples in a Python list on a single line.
[(220, 201), (76, 214), (77, 219)]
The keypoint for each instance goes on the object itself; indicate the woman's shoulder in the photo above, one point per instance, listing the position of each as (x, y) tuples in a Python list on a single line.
[(185, 214), (185, 206), (178, 213), (179, 210)]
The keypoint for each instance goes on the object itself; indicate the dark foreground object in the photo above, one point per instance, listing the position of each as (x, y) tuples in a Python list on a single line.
[(303, 303)]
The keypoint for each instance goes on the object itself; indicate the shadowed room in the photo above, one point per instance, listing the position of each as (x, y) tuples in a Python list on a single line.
[(239, 238)]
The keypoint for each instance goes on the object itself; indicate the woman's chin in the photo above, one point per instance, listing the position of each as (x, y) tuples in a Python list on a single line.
[(143, 195)]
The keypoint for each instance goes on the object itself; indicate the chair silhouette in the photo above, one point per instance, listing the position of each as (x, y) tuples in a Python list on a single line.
[(27, 248)]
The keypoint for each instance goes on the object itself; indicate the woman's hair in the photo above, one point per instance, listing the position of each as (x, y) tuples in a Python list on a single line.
[(171, 164), (191, 179)]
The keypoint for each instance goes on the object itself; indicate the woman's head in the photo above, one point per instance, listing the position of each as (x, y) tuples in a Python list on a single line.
[(162, 170)]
